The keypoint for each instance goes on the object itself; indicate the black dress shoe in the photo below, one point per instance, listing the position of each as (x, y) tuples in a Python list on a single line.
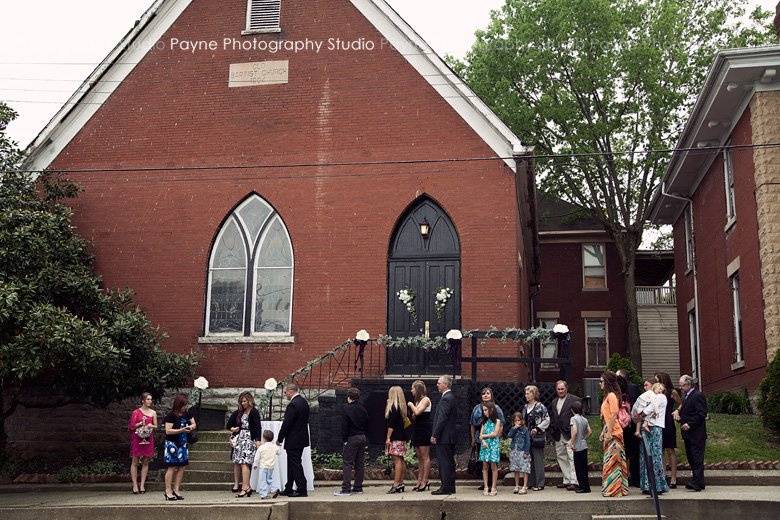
[(297, 495), (561, 486), (441, 491), (690, 486), (583, 491)]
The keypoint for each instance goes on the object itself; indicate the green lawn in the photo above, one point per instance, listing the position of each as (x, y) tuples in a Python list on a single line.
[(730, 438)]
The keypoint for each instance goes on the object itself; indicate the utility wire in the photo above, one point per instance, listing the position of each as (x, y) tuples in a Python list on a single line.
[(402, 161)]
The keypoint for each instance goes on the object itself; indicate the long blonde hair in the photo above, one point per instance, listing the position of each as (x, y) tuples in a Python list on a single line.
[(395, 398)]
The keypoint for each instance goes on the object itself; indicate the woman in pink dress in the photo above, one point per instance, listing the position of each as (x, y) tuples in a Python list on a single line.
[(143, 422)]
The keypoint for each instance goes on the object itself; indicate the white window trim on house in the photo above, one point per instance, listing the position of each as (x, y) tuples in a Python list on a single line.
[(548, 321), (729, 185), (736, 314), (588, 364), (693, 338), (264, 228), (690, 246), (267, 28), (604, 266)]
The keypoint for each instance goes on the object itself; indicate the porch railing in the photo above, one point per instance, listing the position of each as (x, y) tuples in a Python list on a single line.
[(655, 295), (338, 367)]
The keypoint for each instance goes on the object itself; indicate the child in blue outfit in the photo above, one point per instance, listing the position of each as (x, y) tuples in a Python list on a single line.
[(490, 450), (519, 452)]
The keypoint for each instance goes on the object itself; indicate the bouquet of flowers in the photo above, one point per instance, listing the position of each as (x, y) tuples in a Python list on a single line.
[(407, 298), (443, 295), (144, 433)]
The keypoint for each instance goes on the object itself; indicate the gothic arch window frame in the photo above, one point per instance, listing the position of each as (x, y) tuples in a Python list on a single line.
[(254, 235)]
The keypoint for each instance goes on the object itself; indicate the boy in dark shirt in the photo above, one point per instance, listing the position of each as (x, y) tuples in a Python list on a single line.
[(353, 434)]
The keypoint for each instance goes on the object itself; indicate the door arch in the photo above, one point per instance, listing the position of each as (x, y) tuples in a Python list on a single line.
[(422, 264)]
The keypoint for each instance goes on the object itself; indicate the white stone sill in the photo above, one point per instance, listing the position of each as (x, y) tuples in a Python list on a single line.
[(262, 31), (738, 365), (206, 340)]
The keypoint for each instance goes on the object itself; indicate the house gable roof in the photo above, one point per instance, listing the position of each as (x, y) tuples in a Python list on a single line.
[(556, 215), (733, 78), (162, 14)]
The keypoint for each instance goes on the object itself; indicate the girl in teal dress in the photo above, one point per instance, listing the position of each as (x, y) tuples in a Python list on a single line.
[(490, 451)]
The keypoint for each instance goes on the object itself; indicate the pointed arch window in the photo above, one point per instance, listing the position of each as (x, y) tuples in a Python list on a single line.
[(250, 274)]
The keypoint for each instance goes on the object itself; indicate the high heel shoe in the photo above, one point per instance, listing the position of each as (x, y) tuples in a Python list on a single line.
[(426, 487), (169, 498), (416, 487), (178, 496), (396, 489)]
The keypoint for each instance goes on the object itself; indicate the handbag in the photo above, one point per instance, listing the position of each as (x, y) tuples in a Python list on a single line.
[(537, 441), (233, 441), (474, 466), (624, 416), (407, 422), (192, 437)]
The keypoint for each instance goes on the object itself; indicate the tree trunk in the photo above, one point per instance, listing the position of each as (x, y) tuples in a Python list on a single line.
[(633, 340), (627, 243)]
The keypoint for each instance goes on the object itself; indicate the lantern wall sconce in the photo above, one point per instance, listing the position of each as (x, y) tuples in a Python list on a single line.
[(425, 228)]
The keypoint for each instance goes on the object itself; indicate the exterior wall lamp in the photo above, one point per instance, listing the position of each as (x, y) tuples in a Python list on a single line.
[(425, 229)]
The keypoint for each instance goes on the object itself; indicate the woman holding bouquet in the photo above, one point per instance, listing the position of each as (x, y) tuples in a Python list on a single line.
[(143, 422)]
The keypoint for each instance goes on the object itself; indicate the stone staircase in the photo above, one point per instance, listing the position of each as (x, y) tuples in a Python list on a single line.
[(210, 458)]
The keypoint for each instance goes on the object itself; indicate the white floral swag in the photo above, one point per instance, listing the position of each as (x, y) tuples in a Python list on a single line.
[(407, 297), (443, 295)]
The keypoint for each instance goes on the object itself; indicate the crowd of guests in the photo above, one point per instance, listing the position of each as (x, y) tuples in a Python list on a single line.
[(638, 438)]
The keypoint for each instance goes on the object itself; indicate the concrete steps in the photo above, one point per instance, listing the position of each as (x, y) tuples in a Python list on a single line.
[(216, 455), (210, 459)]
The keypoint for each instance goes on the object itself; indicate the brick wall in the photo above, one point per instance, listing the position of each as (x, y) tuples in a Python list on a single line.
[(716, 247), (153, 230), (561, 291)]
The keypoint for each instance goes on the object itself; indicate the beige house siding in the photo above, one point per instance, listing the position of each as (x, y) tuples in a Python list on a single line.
[(765, 121), (660, 345)]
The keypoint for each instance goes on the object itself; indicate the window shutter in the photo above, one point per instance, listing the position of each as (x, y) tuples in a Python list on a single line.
[(264, 15)]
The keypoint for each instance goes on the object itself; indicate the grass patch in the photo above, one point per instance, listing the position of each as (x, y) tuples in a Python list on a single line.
[(730, 438)]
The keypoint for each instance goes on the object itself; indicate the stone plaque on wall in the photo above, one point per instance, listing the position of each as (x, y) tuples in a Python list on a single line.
[(258, 73)]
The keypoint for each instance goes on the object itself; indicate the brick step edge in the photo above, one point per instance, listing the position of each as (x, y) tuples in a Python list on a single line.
[(44, 478)]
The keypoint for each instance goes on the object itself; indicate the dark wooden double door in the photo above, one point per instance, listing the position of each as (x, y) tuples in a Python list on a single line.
[(424, 265)]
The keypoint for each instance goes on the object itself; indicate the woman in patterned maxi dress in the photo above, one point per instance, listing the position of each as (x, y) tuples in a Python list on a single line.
[(615, 468)]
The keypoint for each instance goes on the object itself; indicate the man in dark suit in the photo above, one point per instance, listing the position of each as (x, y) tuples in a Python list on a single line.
[(560, 429), (444, 436), (693, 423), (295, 435)]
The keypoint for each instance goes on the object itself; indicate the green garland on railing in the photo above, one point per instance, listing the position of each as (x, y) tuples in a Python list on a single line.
[(440, 343), (437, 343), (512, 334)]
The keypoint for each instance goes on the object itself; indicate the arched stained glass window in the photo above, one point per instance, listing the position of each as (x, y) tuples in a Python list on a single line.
[(251, 274)]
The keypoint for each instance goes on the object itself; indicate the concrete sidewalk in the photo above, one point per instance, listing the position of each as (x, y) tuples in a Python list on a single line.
[(755, 503)]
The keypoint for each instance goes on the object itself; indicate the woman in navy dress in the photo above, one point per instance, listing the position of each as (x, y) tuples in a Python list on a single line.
[(178, 425)]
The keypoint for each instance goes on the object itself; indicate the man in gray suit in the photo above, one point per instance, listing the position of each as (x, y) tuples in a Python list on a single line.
[(443, 437)]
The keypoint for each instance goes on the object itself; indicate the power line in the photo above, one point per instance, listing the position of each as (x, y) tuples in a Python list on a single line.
[(188, 52), (143, 169)]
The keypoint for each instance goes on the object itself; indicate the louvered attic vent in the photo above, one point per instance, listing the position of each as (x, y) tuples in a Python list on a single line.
[(263, 16)]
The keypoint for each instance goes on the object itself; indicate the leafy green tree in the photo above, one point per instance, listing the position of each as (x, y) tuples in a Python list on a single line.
[(59, 330), (597, 77)]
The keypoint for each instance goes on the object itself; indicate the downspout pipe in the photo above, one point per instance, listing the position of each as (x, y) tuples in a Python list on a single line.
[(689, 201)]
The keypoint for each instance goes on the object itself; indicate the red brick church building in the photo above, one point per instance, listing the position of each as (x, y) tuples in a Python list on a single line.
[(267, 175)]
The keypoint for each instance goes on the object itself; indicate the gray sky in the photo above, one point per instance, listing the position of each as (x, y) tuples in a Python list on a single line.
[(37, 34)]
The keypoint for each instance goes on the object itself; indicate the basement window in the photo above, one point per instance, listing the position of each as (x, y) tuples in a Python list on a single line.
[(263, 16)]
